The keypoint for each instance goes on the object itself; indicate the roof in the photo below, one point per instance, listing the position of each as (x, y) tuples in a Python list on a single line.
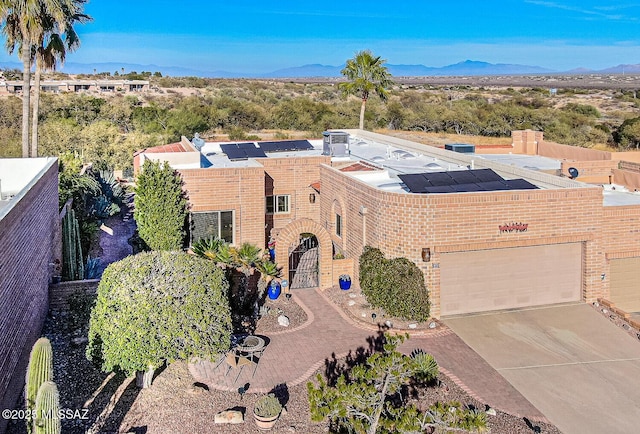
[(360, 166), (171, 147)]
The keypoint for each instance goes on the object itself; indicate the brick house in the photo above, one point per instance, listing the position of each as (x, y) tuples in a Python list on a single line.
[(29, 245), (490, 231)]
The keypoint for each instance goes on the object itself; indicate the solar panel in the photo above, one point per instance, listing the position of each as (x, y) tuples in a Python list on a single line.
[(251, 151), (242, 151), (462, 181), (465, 188), (233, 152), (487, 175), (416, 183), (520, 184), (440, 189), (494, 185), (439, 178), (286, 145), (464, 176)]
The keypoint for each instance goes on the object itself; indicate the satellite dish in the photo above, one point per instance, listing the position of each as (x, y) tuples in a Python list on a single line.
[(573, 172)]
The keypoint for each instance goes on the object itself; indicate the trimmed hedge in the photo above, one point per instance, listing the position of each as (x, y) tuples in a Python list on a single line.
[(395, 285), (159, 306), (160, 207)]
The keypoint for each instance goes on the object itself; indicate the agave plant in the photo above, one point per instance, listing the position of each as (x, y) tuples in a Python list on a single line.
[(208, 248), (246, 257), (424, 365), (268, 271)]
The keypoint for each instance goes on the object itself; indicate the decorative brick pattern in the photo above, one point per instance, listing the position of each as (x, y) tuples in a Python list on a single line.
[(27, 247)]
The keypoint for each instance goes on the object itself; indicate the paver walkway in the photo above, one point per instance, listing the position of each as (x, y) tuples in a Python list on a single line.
[(115, 245), (291, 357)]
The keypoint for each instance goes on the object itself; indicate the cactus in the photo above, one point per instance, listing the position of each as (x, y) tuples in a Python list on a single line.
[(47, 419), (73, 262), (40, 370)]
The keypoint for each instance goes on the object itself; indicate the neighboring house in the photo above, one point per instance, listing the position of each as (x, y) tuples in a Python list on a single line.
[(489, 231), (29, 246), (56, 86)]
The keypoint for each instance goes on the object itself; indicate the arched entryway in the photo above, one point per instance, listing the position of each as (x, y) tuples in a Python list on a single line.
[(308, 249)]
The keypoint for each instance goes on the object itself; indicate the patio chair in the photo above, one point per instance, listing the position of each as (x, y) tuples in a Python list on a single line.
[(235, 361)]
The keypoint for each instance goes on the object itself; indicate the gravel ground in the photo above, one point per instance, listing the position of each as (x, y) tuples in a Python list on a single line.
[(281, 306), (175, 404)]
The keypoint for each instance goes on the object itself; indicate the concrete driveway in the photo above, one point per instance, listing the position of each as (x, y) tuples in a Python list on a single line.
[(573, 364)]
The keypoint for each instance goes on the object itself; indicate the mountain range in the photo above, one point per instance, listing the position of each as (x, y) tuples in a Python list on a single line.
[(465, 68)]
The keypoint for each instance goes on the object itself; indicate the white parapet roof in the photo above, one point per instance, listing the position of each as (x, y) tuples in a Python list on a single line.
[(17, 176)]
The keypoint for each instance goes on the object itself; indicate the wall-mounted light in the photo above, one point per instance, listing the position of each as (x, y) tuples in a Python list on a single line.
[(602, 276), (312, 198), (426, 254)]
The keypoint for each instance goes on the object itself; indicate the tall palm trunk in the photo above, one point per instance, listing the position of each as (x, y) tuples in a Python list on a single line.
[(26, 94), (36, 108), (364, 103)]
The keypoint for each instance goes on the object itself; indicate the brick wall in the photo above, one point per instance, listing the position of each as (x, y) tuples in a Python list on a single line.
[(402, 224), (59, 293), (292, 176), (631, 180), (568, 152), (237, 189), (594, 171), (27, 244), (244, 190)]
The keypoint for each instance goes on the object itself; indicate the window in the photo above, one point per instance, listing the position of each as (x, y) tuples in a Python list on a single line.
[(278, 204), (339, 225), (212, 224)]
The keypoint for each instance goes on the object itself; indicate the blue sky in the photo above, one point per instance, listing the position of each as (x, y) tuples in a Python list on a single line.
[(262, 36)]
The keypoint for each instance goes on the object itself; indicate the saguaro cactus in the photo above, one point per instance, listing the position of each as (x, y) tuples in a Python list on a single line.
[(39, 371), (47, 419), (73, 268)]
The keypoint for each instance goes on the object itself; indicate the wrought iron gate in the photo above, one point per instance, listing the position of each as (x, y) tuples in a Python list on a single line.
[(303, 263)]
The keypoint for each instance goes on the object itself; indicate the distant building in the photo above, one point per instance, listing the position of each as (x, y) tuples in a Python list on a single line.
[(55, 86), (29, 246)]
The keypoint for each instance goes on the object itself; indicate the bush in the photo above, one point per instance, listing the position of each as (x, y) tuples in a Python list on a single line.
[(160, 207), (395, 285), (159, 306)]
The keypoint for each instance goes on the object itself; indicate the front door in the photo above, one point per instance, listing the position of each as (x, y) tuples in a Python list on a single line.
[(303, 263)]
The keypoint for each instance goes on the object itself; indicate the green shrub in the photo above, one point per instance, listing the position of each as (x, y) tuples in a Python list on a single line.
[(267, 406), (395, 285), (159, 306), (160, 207)]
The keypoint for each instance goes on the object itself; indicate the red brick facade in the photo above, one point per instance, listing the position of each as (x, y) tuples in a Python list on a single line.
[(27, 247), (403, 224)]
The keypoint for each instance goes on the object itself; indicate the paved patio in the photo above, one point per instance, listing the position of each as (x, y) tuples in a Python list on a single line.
[(292, 356)]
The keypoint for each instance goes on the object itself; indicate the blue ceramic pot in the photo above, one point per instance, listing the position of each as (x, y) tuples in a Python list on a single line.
[(274, 290), (344, 284)]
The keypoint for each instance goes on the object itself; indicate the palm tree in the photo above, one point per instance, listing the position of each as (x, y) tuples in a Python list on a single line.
[(366, 74), (51, 50), (24, 26)]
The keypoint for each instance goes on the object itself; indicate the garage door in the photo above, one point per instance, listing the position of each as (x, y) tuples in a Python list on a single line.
[(485, 280), (625, 283)]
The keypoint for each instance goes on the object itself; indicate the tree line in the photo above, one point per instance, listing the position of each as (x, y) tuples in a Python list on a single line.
[(108, 129)]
